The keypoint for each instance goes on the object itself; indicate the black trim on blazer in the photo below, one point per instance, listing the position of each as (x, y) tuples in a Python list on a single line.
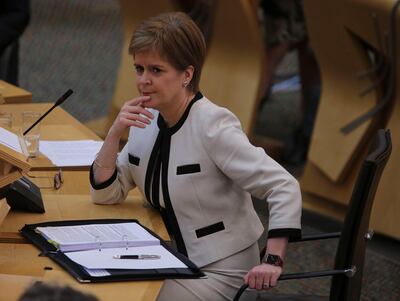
[(291, 233), (186, 169), (133, 159), (172, 130), (103, 185), (158, 165), (151, 166), (171, 217), (155, 186), (211, 229)]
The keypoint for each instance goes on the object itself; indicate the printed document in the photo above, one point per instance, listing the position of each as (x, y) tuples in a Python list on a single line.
[(97, 236), (9, 139), (70, 153), (104, 258)]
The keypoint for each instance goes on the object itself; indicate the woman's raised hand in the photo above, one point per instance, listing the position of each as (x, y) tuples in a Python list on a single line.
[(132, 113)]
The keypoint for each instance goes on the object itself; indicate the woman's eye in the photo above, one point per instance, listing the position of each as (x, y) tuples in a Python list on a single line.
[(139, 70), (156, 70)]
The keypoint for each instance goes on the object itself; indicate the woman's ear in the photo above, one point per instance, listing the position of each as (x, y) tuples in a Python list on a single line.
[(187, 76), (189, 73)]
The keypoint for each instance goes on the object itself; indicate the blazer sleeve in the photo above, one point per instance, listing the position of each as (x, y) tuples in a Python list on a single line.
[(115, 189), (253, 170)]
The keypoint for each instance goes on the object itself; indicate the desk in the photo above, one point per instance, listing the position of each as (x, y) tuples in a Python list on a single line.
[(58, 125), (24, 263), (75, 181), (14, 285), (19, 261), (23, 259), (79, 206), (13, 94)]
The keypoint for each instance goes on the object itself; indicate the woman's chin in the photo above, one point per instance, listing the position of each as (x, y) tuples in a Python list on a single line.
[(151, 104)]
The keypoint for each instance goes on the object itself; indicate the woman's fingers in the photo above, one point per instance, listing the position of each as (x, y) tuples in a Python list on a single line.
[(136, 105), (274, 279), (260, 280), (138, 100), (134, 114), (138, 110), (263, 277), (135, 117)]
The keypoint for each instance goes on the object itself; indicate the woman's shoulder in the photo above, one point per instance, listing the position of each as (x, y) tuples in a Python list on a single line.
[(212, 115), (211, 110)]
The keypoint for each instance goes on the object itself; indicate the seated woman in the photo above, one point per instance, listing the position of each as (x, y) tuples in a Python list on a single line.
[(194, 164)]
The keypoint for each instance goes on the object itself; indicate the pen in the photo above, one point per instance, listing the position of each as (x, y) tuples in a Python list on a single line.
[(142, 256)]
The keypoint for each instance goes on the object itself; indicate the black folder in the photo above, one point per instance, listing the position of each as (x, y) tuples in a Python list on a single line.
[(79, 272)]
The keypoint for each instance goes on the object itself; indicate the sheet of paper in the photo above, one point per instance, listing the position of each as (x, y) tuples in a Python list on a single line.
[(70, 153), (98, 236), (104, 259), (10, 139)]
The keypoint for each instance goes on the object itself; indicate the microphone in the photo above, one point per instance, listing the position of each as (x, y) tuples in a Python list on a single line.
[(58, 102)]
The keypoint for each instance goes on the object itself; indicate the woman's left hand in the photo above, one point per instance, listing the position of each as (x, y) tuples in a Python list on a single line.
[(263, 276)]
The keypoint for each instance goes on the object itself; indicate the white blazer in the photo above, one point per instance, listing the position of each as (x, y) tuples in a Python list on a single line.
[(202, 173)]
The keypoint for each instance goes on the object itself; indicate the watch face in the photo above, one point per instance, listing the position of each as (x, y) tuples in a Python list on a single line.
[(273, 260)]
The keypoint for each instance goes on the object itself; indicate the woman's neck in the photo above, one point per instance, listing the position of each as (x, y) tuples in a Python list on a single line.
[(173, 114)]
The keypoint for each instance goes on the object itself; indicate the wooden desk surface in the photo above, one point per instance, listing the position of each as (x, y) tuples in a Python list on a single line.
[(20, 266), (58, 125), (20, 263), (23, 259), (74, 182), (72, 201), (12, 286), (75, 207), (13, 94), (130, 290)]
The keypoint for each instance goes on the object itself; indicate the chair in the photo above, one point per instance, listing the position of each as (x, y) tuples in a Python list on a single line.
[(349, 262)]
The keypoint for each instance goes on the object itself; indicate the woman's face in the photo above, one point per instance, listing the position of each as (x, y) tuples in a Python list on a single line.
[(158, 79)]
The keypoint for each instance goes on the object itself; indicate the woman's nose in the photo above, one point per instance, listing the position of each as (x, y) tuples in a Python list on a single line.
[(144, 79)]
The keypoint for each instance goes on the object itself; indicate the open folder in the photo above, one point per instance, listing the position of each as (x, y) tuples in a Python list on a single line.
[(105, 250)]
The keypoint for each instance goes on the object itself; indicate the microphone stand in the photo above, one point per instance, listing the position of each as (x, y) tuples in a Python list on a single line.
[(58, 102)]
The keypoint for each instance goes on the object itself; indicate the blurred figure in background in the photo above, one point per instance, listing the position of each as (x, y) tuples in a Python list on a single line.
[(40, 291), (285, 30), (202, 12), (14, 18)]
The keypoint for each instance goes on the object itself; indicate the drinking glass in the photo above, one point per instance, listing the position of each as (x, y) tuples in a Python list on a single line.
[(32, 138)]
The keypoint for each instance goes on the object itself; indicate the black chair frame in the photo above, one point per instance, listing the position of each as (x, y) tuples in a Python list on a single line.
[(349, 262)]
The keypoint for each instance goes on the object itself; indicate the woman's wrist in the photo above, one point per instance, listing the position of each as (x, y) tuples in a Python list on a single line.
[(100, 165), (114, 135), (277, 246)]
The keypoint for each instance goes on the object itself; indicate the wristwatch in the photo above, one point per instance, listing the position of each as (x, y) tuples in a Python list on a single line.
[(272, 259)]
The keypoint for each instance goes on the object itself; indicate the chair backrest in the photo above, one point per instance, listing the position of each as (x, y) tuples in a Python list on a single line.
[(352, 243)]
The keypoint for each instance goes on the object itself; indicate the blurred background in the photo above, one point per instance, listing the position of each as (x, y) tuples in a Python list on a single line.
[(82, 45)]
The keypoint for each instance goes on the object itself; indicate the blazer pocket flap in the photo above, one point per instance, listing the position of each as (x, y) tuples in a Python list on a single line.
[(211, 229), (134, 160), (186, 169)]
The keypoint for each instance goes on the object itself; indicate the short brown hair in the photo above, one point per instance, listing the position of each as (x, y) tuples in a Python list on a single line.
[(176, 38)]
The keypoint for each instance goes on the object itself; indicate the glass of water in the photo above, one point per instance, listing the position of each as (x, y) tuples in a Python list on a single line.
[(32, 138)]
